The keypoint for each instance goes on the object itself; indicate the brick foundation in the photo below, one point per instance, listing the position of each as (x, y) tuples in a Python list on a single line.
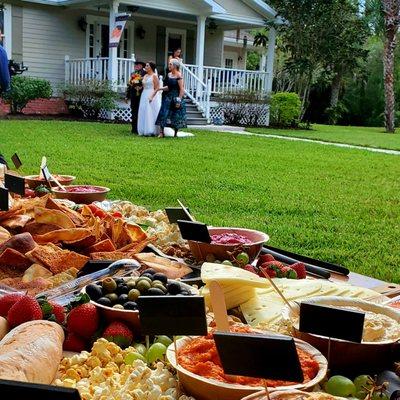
[(54, 106)]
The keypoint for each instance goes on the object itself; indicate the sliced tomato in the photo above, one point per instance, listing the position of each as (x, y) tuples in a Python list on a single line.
[(116, 214), (97, 212), (30, 193)]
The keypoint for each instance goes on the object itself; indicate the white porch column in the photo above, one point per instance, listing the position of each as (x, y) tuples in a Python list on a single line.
[(271, 57), (113, 51), (263, 62), (200, 40)]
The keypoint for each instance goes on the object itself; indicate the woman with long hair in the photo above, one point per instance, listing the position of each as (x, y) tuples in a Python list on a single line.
[(173, 108), (150, 101)]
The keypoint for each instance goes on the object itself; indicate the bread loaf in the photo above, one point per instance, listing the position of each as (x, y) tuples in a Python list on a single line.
[(32, 352)]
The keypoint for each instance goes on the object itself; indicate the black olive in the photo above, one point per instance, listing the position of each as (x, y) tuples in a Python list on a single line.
[(130, 305), (160, 277), (123, 298), (155, 292), (149, 271), (174, 288), (150, 276), (104, 301), (94, 292), (122, 289)]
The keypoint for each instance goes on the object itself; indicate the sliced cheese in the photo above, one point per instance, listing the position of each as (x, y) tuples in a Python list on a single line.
[(233, 297), (262, 310), (227, 274)]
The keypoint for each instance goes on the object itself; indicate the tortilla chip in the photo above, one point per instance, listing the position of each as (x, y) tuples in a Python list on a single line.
[(33, 288), (56, 259), (16, 222), (136, 247), (173, 269), (63, 235), (11, 257), (35, 271), (16, 210), (4, 235), (23, 242), (28, 205), (64, 277), (75, 217), (104, 246), (34, 228), (53, 217), (135, 232), (84, 243), (111, 255)]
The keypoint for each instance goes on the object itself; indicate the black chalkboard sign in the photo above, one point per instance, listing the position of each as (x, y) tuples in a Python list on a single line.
[(22, 390), (259, 356), (172, 315), (4, 205), (194, 231), (14, 183), (331, 322), (176, 213), (16, 161)]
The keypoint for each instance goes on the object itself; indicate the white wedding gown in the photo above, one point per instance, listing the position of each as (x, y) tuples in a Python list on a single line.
[(148, 112)]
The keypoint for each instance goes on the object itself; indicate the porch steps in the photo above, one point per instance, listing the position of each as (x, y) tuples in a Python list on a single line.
[(194, 116)]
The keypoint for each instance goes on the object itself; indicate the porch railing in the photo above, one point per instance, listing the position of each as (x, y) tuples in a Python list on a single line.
[(80, 70), (224, 80), (198, 91)]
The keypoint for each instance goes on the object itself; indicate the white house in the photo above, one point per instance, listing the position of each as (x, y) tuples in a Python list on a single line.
[(68, 41)]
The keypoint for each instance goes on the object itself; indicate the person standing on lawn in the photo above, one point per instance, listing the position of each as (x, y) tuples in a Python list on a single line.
[(173, 108), (134, 92), (4, 71)]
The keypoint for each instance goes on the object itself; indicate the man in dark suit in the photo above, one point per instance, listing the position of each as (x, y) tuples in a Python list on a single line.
[(4, 71), (134, 92)]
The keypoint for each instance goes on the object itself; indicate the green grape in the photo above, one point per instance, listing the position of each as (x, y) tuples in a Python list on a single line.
[(361, 394), (340, 386), (242, 258), (131, 357), (380, 396), (140, 348), (156, 352), (165, 340), (363, 383)]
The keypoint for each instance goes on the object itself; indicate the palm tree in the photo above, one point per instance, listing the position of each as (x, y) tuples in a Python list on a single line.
[(391, 13)]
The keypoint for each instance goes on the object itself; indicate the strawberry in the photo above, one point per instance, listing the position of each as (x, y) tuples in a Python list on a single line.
[(51, 310), (289, 273), (74, 343), (118, 333), (250, 268), (7, 301), (265, 258), (300, 269), (269, 271), (83, 320), (25, 309)]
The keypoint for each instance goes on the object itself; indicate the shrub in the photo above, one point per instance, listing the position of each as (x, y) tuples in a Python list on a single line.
[(24, 89), (89, 98), (243, 108), (285, 109)]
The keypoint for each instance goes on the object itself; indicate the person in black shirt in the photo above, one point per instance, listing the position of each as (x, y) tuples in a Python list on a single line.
[(134, 92)]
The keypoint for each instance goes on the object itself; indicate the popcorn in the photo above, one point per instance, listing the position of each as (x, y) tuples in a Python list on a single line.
[(103, 375)]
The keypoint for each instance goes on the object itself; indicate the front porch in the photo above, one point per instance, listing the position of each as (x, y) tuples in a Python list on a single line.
[(205, 69)]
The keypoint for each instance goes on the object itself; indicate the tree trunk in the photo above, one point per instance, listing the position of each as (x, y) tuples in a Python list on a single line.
[(335, 90), (388, 71)]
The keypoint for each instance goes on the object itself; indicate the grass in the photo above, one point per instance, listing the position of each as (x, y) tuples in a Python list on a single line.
[(362, 136), (340, 205)]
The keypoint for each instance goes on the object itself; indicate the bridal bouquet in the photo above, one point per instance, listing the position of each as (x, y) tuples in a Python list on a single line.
[(136, 82)]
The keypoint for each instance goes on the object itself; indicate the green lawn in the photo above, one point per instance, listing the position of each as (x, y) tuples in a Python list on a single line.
[(341, 205), (362, 136)]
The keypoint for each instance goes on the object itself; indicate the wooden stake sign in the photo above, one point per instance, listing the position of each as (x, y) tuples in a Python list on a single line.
[(219, 307), (16, 161), (194, 231)]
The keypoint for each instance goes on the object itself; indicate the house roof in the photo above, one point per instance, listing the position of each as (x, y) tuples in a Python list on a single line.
[(261, 7)]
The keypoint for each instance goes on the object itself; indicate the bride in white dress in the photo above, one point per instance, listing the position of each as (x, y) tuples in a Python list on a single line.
[(150, 102)]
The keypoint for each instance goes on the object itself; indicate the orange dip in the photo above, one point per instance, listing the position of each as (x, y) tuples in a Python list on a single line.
[(200, 357)]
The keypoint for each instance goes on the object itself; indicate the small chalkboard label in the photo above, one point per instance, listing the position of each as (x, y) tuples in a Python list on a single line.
[(23, 390), (259, 356), (4, 205), (194, 231), (172, 315), (16, 161), (176, 213), (332, 322), (46, 173), (14, 183)]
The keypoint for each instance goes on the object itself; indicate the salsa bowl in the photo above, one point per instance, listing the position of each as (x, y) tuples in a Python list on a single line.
[(33, 181), (82, 194)]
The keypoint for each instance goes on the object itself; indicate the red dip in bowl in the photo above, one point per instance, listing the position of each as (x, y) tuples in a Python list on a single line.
[(84, 189), (229, 238)]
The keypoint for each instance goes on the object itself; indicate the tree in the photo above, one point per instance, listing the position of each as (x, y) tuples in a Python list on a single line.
[(321, 41), (391, 12)]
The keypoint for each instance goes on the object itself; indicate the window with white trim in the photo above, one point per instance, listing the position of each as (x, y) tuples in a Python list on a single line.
[(229, 63), (5, 27)]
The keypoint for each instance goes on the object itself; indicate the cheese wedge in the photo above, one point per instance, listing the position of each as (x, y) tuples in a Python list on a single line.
[(226, 274), (233, 297)]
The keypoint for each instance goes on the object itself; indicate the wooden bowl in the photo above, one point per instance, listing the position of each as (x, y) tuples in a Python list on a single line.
[(349, 358), (82, 197), (131, 317), (220, 251), (208, 389), (33, 181)]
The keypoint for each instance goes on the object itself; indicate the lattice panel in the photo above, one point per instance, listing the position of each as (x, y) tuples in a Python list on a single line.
[(217, 115)]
